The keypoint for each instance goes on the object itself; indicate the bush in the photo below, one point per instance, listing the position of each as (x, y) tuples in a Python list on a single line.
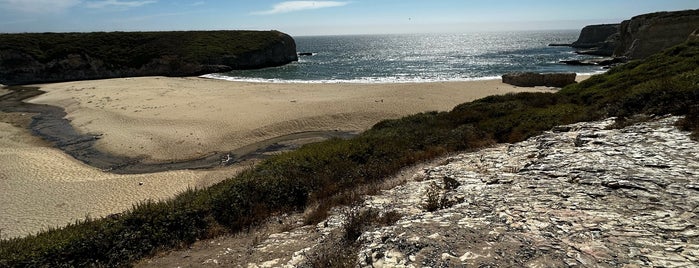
[(665, 83)]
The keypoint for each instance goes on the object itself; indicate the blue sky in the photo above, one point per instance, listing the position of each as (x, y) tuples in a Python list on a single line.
[(321, 17)]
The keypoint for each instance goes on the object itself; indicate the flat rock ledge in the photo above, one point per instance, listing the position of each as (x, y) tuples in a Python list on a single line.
[(580, 195), (528, 79)]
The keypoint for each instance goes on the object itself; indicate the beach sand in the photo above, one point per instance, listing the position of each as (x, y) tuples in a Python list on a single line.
[(182, 118)]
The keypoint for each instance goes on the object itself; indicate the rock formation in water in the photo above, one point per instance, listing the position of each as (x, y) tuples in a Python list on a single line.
[(55, 57), (598, 40), (535, 79), (645, 35)]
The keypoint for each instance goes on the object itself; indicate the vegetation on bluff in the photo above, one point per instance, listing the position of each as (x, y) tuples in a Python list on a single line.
[(662, 84), (134, 49), (31, 58)]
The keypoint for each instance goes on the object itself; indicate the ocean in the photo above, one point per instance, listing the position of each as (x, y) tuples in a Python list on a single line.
[(420, 58)]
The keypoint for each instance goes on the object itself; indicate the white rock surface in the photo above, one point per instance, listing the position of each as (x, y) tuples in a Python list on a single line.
[(579, 195)]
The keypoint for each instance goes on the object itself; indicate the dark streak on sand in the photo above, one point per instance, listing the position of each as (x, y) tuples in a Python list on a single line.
[(50, 124)]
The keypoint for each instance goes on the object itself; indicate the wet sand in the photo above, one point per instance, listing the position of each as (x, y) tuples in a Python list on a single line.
[(162, 120)]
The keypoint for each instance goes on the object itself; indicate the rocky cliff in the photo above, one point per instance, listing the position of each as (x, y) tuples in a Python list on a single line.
[(598, 39), (593, 35), (55, 57), (644, 35)]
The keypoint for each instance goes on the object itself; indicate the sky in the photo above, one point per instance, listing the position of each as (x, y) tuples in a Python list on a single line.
[(300, 18)]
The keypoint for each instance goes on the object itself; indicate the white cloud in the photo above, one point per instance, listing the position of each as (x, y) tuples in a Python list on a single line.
[(38, 6), (292, 6), (117, 3)]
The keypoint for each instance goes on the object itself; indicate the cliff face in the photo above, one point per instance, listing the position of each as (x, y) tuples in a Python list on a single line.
[(41, 58), (644, 35), (600, 40), (595, 35)]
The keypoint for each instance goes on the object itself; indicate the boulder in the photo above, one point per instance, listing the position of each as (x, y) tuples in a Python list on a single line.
[(528, 79), (645, 35)]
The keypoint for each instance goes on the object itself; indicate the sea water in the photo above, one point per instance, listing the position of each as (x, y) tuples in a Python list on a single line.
[(421, 58)]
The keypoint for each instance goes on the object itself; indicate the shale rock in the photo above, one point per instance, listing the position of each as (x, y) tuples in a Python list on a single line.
[(536, 79)]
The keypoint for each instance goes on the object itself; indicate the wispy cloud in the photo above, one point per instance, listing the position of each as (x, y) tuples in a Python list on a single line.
[(117, 3), (152, 16), (38, 6), (292, 6)]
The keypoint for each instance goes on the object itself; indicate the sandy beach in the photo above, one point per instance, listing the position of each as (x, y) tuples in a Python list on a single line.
[(165, 119)]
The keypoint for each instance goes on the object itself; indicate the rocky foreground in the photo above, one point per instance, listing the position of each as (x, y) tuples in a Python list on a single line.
[(580, 195)]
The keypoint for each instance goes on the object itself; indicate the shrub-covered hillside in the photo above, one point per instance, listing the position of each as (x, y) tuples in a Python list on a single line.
[(665, 83), (45, 57)]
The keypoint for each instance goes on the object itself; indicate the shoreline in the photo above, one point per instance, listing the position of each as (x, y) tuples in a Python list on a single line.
[(158, 119), (49, 123), (579, 77), (45, 187)]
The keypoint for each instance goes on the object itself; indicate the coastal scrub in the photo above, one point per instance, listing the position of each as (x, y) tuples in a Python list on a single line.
[(666, 83)]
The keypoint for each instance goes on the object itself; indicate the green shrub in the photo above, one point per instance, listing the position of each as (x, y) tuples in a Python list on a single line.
[(135, 49), (665, 83)]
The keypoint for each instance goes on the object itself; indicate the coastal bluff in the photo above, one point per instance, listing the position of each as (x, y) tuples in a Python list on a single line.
[(638, 37), (647, 34), (30, 58), (598, 39)]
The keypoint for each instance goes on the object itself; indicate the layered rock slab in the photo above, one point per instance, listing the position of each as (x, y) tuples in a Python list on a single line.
[(581, 195)]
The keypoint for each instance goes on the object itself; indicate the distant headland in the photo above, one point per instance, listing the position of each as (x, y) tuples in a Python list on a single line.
[(30, 58), (638, 37)]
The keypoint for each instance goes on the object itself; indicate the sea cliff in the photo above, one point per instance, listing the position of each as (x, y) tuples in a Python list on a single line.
[(598, 39), (647, 34), (54, 57), (638, 37)]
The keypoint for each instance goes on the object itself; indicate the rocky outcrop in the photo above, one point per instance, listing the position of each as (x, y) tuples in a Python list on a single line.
[(580, 195), (600, 40), (645, 35), (56, 57), (694, 37), (593, 35), (536, 79), (606, 62)]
